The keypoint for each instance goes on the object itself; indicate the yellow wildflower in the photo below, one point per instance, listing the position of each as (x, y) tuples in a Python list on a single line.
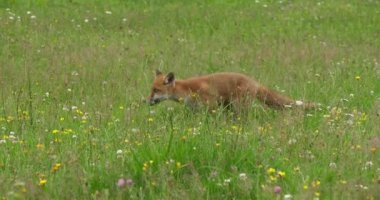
[(281, 174), (145, 166), (235, 128), (56, 167), (357, 77), (316, 183), (55, 131), (272, 178), (40, 146), (42, 182), (271, 170)]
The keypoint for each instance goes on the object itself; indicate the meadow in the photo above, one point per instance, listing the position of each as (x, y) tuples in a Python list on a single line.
[(74, 76)]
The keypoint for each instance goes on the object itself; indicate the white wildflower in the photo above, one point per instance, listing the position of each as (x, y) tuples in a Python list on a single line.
[(299, 103), (243, 176), (288, 197), (332, 165), (227, 181)]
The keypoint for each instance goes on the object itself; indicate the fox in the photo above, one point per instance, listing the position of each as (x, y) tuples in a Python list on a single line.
[(218, 89)]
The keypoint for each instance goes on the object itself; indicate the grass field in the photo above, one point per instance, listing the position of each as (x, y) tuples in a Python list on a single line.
[(73, 124)]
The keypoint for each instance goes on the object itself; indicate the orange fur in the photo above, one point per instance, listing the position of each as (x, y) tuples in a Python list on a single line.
[(223, 88)]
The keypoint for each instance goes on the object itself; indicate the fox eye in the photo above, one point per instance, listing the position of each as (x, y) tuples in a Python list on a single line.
[(156, 90)]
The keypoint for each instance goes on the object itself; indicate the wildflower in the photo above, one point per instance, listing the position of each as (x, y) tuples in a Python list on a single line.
[(121, 183), (273, 178), (305, 187), (235, 128), (40, 146), (12, 137), (357, 78), (227, 181), (178, 164), (108, 12), (33, 17), (332, 165), (56, 167), (55, 131), (243, 176), (292, 141), (271, 170), (150, 119), (42, 182), (147, 164), (297, 169), (317, 194), (118, 152), (277, 189), (281, 174), (288, 197), (129, 182), (368, 164), (135, 130), (316, 183)]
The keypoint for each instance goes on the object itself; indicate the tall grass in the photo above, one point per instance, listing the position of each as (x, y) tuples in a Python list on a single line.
[(73, 76)]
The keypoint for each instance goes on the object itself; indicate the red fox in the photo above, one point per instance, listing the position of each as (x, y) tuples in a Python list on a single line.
[(224, 88)]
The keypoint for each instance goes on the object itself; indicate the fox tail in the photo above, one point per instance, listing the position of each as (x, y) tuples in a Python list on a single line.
[(277, 100)]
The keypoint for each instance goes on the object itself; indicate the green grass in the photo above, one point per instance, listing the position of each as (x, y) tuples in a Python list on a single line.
[(72, 81)]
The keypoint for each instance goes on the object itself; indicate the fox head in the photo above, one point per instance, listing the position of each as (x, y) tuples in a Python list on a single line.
[(163, 88)]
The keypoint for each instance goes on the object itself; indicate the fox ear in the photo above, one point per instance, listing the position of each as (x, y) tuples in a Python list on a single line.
[(169, 79), (158, 72)]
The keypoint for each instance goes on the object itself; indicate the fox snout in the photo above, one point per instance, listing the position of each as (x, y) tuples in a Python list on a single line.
[(153, 101)]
